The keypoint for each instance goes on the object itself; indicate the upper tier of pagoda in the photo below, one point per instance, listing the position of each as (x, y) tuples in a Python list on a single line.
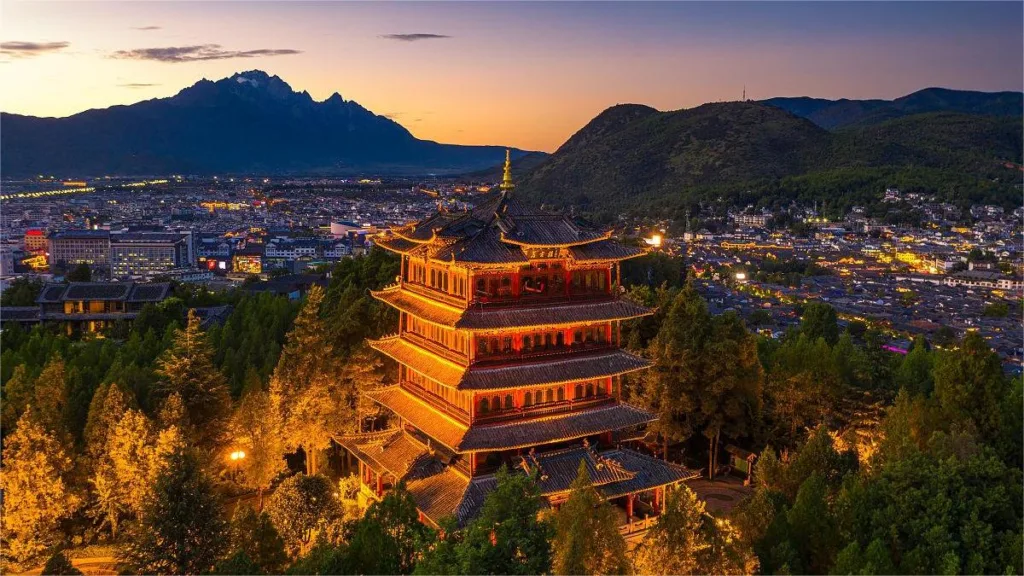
[(502, 232)]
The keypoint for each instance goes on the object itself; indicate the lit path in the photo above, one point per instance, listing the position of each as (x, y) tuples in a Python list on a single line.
[(90, 566)]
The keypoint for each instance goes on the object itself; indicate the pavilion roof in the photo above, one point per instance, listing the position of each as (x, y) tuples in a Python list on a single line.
[(650, 473), (533, 372), (530, 431), (559, 468), (390, 450), (485, 319)]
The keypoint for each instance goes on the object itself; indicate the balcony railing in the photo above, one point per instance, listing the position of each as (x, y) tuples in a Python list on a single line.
[(542, 409), (436, 402), (438, 295), (436, 348), (542, 352), (637, 526), (504, 297)]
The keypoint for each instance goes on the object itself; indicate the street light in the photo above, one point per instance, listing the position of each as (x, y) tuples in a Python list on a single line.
[(236, 457)]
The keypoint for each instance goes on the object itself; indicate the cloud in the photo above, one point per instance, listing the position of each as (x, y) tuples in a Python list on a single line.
[(201, 52), (146, 28), (413, 37), (30, 49), (134, 85)]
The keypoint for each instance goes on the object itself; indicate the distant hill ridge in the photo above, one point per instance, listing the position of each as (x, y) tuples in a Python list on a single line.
[(249, 122), (636, 160), (832, 114)]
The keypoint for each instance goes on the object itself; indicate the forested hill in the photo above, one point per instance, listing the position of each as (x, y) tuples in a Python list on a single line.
[(839, 113), (634, 159)]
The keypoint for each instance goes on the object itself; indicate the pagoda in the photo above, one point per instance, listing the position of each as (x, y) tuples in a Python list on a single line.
[(509, 353)]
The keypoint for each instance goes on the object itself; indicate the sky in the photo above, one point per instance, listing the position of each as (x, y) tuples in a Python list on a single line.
[(522, 74)]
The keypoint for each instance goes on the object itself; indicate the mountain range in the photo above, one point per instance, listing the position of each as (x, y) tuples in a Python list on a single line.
[(965, 147), (250, 122)]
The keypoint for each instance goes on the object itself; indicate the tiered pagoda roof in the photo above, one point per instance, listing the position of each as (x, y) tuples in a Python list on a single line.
[(522, 433), (483, 319), (538, 371), (498, 233), (449, 426), (441, 490)]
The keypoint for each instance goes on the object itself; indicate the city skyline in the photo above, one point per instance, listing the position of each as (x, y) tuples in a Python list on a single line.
[(521, 74)]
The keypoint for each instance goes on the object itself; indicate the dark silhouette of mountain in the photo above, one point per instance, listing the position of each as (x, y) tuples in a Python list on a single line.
[(638, 160), (832, 114), (250, 122)]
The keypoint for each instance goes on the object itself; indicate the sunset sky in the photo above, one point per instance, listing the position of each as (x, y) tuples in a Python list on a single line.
[(521, 74)]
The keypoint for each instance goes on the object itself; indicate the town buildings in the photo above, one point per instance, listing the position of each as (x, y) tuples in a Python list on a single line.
[(509, 354), (145, 254), (72, 247)]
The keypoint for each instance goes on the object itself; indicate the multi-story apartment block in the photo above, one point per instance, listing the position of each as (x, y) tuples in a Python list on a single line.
[(137, 254), (72, 247)]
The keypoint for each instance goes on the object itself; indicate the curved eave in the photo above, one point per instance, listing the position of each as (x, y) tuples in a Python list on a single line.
[(395, 244), (425, 362), (553, 372), (555, 428), (421, 307), (604, 236), (475, 319)]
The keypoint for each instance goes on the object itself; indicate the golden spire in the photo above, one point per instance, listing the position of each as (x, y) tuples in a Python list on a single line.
[(506, 180)]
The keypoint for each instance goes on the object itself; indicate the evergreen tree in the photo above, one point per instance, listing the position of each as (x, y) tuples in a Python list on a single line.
[(36, 494), (914, 373), (122, 482), (687, 540), (257, 431), (587, 538), (187, 369), (182, 530), (819, 321), (706, 375), (386, 540), (304, 387), (507, 537), (970, 385), (302, 508), (51, 398), (254, 539), (17, 396)]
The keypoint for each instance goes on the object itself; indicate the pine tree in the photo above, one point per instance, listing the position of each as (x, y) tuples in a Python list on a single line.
[(257, 430), (507, 537), (587, 538), (305, 385), (36, 495), (105, 410), (687, 540), (386, 540), (187, 369), (182, 530), (17, 396), (51, 398), (122, 482)]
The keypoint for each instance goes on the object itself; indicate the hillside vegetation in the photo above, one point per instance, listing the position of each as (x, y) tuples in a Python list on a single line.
[(635, 160)]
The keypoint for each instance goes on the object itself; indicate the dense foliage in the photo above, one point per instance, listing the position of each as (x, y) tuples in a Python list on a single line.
[(738, 153)]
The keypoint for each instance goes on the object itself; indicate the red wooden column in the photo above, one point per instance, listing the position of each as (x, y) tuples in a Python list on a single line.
[(568, 281), (380, 485), (657, 499), (629, 506)]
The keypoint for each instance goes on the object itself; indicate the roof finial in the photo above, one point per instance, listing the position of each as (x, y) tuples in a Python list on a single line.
[(506, 180)]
